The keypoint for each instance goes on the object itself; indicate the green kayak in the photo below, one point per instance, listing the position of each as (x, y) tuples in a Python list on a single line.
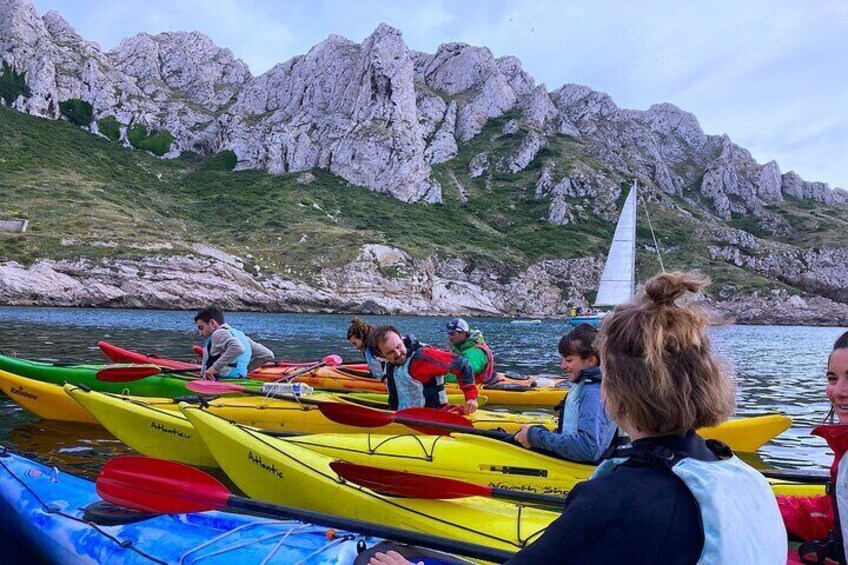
[(162, 386)]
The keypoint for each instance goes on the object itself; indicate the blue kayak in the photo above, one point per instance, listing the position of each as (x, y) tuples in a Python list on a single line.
[(61, 517)]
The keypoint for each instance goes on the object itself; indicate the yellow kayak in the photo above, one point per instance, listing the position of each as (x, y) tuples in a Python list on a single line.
[(156, 427), (271, 469), (49, 402), (154, 431), (475, 459)]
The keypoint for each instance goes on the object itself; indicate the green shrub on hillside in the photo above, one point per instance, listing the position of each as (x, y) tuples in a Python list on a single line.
[(78, 112), (110, 127), (12, 85), (223, 161), (157, 142)]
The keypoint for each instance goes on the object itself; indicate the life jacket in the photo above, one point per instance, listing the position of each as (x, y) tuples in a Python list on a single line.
[(238, 368), (376, 367), (832, 548), (570, 406), (405, 391), (738, 511), (487, 375)]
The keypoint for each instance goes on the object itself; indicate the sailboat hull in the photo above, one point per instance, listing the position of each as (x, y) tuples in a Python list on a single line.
[(593, 320)]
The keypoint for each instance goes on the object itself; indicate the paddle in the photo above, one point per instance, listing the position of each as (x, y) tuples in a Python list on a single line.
[(166, 487), (123, 374), (425, 420), (202, 386), (128, 373), (796, 476), (415, 485), (329, 361)]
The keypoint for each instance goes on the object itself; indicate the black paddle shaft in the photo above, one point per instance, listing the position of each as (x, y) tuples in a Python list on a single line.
[(415, 422), (529, 497), (366, 528)]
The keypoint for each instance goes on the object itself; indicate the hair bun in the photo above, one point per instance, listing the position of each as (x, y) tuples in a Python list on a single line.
[(665, 288)]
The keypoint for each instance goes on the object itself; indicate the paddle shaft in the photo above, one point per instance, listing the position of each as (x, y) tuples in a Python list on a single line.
[(300, 372), (365, 528), (796, 476), (493, 434), (528, 497)]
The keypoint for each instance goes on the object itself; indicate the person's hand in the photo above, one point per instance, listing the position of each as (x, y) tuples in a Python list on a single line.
[(209, 374), (390, 558), (470, 406), (523, 436)]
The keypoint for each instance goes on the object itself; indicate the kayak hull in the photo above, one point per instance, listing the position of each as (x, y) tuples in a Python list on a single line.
[(270, 469), (155, 427), (58, 531)]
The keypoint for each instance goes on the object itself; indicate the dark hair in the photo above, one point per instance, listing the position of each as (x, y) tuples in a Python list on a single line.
[(660, 374), (359, 329), (379, 335), (842, 342), (579, 341), (211, 312)]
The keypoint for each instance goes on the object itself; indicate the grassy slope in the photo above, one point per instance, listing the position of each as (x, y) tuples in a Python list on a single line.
[(73, 185)]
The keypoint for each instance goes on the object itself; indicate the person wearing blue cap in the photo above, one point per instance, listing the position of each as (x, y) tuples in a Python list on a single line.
[(471, 345)]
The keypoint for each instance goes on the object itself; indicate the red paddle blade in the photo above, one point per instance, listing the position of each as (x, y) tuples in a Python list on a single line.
[(157, 485), (197, 350), (432, 421), (213, 387), (127, 374), (409, 485), (332, 360), (353, 415)]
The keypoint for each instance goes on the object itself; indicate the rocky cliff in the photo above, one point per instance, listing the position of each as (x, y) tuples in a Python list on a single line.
[(419, 128)]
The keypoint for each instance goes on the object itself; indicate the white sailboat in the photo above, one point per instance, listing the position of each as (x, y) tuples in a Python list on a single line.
[(618, 281)]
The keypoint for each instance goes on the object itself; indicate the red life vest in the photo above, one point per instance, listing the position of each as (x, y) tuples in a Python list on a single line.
[(487, 375)]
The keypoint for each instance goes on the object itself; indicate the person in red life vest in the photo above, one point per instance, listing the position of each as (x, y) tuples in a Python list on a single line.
[(471, 345), (415, 372), (813, 519)]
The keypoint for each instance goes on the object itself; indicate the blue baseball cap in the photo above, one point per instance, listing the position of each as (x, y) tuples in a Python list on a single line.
[(458, 325)]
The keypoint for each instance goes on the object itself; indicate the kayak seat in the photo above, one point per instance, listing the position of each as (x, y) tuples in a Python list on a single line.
[(410, 552), (107, 514)]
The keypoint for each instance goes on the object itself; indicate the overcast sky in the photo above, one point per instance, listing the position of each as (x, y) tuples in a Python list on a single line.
[(773, 75)]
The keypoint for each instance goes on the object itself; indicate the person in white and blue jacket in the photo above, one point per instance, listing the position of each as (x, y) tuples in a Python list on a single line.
[(585, 429)]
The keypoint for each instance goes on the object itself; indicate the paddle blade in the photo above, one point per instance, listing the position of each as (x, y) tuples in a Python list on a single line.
[(157, 485), (432, 421), (201, 386), (352, 415), (129, 373), (408, 485), (332, 360)]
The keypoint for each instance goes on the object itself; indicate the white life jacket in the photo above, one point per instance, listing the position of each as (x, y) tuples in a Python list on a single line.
[(739, 513)]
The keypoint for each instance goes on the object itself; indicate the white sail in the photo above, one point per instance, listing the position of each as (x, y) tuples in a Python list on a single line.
[(619, 279)]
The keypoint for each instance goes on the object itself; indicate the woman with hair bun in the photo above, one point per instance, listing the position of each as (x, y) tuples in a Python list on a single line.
[(672, 498)]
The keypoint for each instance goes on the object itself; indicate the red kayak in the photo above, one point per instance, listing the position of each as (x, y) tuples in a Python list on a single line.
[(268, 372)]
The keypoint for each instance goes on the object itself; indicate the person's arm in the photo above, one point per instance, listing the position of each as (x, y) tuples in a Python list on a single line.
[(592, 436), (259, 354), (230, 348)]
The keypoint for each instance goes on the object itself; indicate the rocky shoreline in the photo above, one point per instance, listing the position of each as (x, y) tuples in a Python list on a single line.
[(381, 280)]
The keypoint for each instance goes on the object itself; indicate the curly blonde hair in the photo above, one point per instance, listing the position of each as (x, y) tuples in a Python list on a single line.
[(660, 374)]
